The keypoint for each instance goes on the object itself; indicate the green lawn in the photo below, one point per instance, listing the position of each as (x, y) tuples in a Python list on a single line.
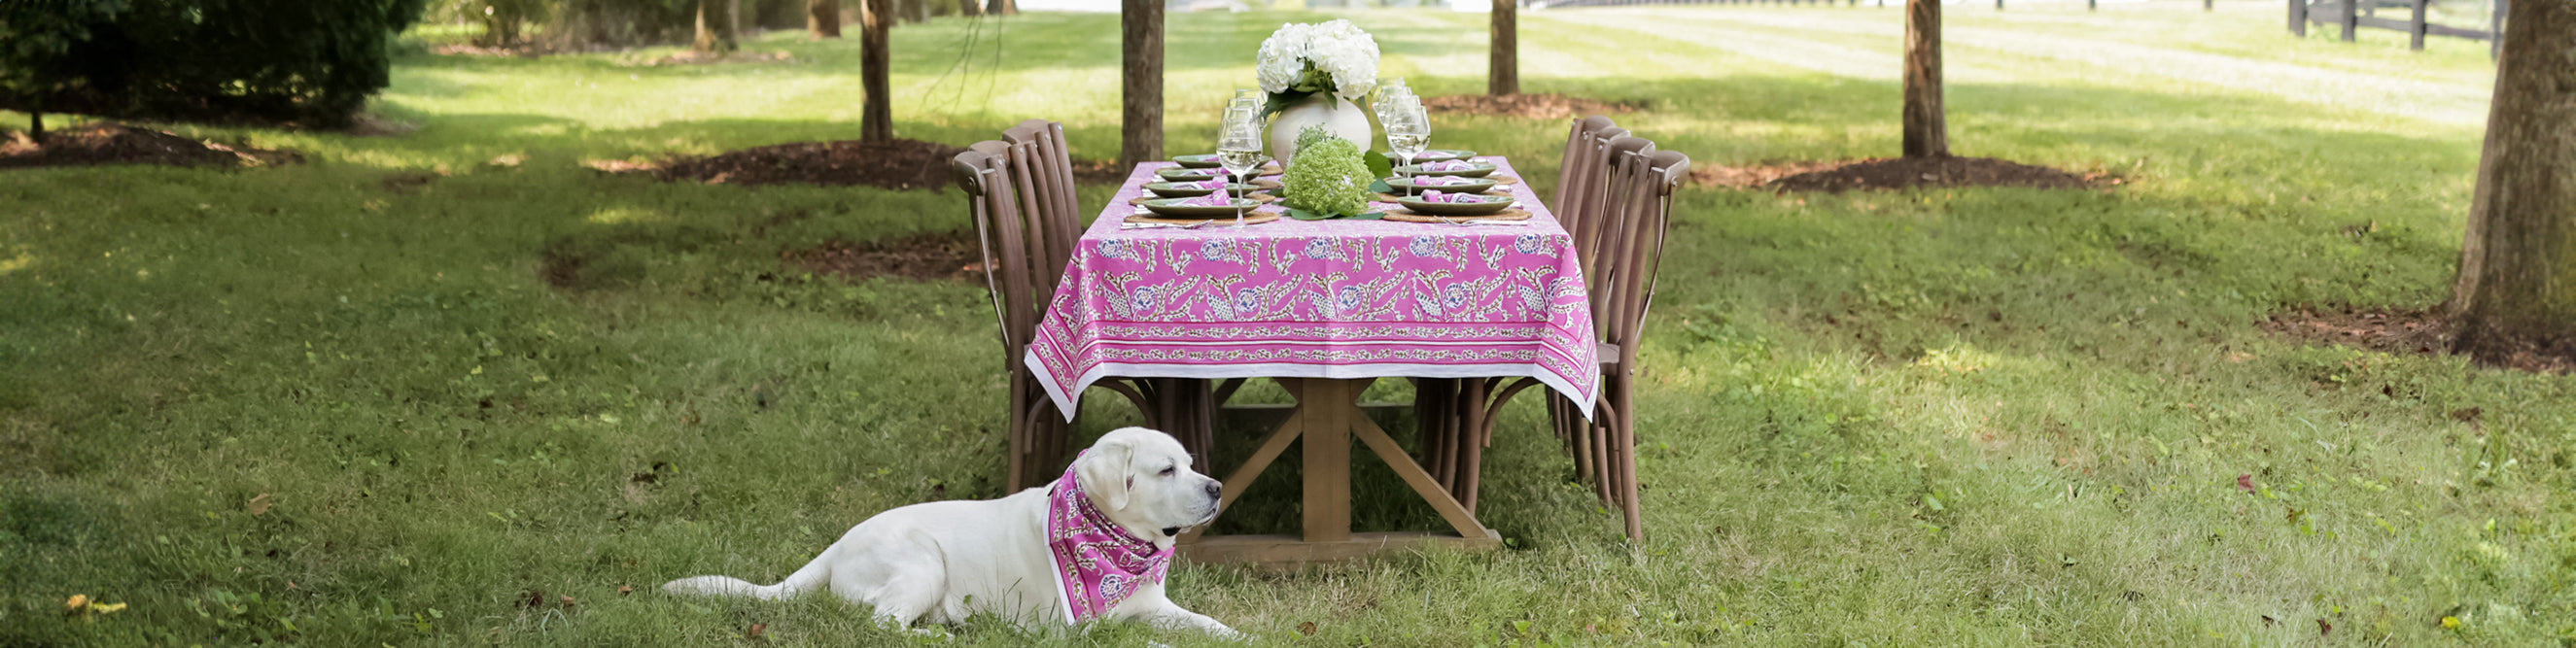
[(294, 405)]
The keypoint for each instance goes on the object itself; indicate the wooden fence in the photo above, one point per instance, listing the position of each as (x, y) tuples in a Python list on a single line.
[(2353, 15)]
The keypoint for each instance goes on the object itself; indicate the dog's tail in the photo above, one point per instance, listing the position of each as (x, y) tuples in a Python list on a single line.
[(813, 574)]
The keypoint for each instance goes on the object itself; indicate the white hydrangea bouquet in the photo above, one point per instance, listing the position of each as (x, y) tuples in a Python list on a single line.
[(1331, 57)]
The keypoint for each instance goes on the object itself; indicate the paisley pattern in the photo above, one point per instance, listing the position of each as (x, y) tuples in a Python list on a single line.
[(1097, 564), (1343, 299)]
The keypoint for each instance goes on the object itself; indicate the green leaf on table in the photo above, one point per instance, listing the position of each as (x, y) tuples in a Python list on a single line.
[(1379, 167), (1379, 185), (1301, 214), (1370, 216)]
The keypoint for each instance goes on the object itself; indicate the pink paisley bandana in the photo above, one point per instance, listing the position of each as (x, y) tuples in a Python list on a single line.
[(1097, 564)]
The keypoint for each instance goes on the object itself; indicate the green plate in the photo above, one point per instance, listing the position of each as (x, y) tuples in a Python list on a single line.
[(1483, 205), (1472, 185), (1481, 169), (1168, 208), (1433, 155), (1187, 174), (1167, 190), (1200, 161)]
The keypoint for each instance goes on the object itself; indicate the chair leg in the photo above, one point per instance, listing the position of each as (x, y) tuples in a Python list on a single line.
[(1624, 445), (1471, 443)]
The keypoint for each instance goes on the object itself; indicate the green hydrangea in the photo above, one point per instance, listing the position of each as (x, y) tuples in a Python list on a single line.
[(1329, 177)]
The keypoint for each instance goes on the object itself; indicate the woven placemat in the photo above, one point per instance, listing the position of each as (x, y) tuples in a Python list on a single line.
[(1140, 200), (1388, 197), (1504, 215), (1253, 218)]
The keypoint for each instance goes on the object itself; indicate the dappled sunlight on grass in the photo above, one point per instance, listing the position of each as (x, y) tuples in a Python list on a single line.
[(460, 367)]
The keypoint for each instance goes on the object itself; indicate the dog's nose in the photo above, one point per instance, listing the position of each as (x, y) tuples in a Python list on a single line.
[(1216, 490)]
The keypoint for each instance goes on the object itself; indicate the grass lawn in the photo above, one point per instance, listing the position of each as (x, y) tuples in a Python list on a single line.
[(303, 405)]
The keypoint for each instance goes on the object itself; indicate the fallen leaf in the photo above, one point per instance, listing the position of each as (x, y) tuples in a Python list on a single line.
[(532, 599), (567, 600), (623, 590), (80, 600), (757, 630), (1307, 628), (105, 608), (2324, 628), (2268, 621), (2450, 623), (2245, 481), (258, 505)]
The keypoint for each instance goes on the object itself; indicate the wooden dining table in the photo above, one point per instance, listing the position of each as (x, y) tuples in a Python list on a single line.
[(1326, 308)]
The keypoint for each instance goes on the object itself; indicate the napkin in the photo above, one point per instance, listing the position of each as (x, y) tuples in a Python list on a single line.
[(1451, 165), (1435, 196), (1442, 181)]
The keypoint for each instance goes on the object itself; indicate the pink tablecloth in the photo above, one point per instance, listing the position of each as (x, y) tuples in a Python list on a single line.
[(1319, 299)]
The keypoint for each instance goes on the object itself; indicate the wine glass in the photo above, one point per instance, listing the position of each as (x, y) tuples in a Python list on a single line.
[(1391, 99), (1408, 129), (1238, 149)]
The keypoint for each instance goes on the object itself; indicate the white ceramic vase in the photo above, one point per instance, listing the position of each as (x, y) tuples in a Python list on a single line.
[(1336, 115)]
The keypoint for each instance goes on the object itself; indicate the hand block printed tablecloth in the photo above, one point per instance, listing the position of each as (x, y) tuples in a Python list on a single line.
[(1318, 299)]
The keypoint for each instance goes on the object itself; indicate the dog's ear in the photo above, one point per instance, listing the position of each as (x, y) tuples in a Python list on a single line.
[(1104, 471)]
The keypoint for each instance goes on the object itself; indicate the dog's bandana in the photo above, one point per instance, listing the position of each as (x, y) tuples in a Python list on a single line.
[(1097, 564)]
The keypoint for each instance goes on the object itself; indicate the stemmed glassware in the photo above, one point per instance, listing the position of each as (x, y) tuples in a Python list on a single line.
[(1391, 100), (1408, 128), (1238, 148)]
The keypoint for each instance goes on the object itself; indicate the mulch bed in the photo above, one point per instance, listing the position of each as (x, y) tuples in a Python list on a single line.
[(919, 257), (1896, 173), (113, 143), (897, 164), (1531, 106), (2389, 331)]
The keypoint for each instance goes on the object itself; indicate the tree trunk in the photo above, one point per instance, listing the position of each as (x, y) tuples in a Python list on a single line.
[(1927, 131), (1503, 70), (2515, 300), (970, 8), (715, 26), (1002, 7), (876, 112), (823, 18), (36, 123), (1141, 46), (916, 10)]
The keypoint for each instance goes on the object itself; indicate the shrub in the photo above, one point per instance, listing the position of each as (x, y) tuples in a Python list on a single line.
[(295, 61)]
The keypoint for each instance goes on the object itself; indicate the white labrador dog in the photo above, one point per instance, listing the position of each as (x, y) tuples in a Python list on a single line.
[(940, 562)]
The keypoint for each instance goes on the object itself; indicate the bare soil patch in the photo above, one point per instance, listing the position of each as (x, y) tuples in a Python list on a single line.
[(919, 257), (1529, 106), (708, 58), (113, 143), (531, 49), (1895, 173), (898, 164), (2389, 331)]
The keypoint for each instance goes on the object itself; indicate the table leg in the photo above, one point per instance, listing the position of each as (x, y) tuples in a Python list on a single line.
[(1328, 406)]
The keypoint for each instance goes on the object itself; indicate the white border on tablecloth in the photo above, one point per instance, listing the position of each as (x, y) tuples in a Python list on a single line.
[(1066, 404)]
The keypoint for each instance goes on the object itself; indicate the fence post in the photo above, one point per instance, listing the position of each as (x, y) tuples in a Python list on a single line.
[(2208, 5), (2299, 18), (2495, 31), (2092, 5), (2415, 27), (2351, 18)]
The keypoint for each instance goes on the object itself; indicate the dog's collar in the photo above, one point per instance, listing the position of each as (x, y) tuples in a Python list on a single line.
[(1098, 564)]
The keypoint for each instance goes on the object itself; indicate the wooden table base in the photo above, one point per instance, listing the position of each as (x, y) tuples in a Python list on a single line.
[(1327, 416)]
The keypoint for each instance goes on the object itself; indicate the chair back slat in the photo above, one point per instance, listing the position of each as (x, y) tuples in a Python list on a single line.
[(1582, 147), (1648, 220), (1605, 231), (1589, 198)]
